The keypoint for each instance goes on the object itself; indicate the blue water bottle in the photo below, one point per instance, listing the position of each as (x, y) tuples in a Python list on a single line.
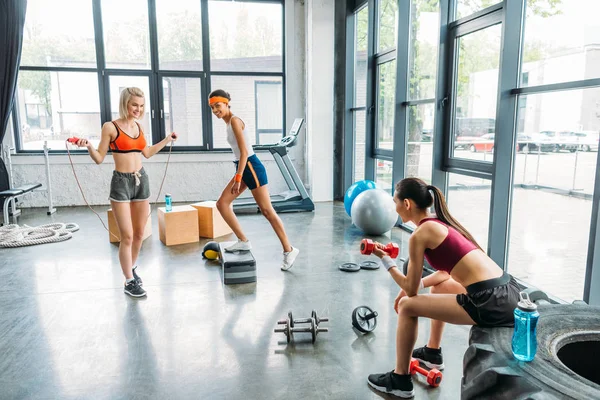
[(168, 205), (524, 341)]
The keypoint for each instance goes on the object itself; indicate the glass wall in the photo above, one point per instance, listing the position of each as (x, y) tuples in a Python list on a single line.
[(64, 65), (553, 188), (359, 123)]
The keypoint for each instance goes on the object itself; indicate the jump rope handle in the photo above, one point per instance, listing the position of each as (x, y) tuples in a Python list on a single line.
[(73, 140), (174, 135)]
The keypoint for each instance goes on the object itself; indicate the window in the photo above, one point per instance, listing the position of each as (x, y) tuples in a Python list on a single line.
[(383, 175), (547, 50), (476, 93), (64, 66), (388, 25), (419, 150), (52, 38), (469, 202), (55, 105), (126, 19), (423, 52), (179, 31), (386, 95), (269, 124), (182, 110), (464, 8), (245, 36), (553, 186), (361, 34), (247, 105)]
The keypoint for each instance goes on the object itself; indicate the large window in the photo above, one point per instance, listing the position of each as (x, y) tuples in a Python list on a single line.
[(476, 93), (553, 188), (568, 53), (54, 105), (70, 80), (246, 36)]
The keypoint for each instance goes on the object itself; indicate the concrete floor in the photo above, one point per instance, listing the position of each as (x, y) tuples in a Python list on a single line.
[(67, 330)]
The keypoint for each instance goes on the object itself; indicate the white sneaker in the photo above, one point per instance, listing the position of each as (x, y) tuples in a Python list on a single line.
[(239, 246), (289, 258)]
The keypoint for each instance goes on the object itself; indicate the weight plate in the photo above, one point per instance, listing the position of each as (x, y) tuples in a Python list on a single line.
[(291, 319), (369, 265), (360, 322), (349, 267)]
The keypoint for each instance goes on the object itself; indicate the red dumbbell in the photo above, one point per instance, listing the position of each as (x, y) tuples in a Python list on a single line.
[(434, 376), (367, 246), (73, 140)]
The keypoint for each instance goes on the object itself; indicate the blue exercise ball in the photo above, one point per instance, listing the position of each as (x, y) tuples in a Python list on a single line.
[(374, 212), (354, 190)]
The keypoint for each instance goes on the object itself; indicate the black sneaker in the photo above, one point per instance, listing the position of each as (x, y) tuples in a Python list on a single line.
[(431, 358), (398, 385), (137, 277), (134, 290)]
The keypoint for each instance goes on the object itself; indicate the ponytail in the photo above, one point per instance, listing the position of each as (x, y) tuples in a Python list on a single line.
[(443, 214)]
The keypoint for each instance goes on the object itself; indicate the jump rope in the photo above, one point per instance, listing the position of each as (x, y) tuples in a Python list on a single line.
[(74, 140)]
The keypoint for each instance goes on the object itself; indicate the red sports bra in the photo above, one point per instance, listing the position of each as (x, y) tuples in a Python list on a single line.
[(124, 143), (452, 249)]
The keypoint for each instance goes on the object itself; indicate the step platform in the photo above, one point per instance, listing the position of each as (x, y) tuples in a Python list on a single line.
[(238, 267)]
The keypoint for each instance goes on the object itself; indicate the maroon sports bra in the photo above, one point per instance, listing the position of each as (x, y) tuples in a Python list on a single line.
[(452, 249)]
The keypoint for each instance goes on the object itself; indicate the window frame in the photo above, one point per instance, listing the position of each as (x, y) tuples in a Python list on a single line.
[(155, 76)]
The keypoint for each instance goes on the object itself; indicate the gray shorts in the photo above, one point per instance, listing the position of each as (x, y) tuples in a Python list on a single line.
[(126, 187)]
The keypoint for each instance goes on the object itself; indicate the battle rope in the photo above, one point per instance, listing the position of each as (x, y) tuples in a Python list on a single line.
[(18, 236), (94, 211)]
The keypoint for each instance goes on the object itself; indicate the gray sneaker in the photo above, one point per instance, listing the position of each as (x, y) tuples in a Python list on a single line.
[(239, 246)]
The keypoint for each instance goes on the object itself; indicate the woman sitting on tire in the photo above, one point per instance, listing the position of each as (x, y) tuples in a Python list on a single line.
[(468, 288)]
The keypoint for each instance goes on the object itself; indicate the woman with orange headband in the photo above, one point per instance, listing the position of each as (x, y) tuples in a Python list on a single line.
[(250, 173)]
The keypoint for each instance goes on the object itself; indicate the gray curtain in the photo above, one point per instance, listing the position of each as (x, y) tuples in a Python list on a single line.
[(12, 21)]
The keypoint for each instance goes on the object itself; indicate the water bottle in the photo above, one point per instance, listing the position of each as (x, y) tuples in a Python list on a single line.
[(524, 342), (168, 205)]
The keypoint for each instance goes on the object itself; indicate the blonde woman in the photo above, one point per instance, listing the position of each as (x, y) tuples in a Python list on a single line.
[(129, 187)]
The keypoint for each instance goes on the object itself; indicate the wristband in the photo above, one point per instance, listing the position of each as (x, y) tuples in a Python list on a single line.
[(387, 262), (238, 177)]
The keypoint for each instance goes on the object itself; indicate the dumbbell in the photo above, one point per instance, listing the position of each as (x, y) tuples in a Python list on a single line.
[(434, 376), (367, 246), (313, 329), (293, 321)]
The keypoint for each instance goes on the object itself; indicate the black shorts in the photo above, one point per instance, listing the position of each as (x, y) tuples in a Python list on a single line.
[(491, 303)]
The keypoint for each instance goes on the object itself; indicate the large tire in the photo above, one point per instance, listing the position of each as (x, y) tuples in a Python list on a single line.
[(491, 372)]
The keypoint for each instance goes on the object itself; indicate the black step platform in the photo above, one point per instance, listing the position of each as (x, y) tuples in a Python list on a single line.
[(238, 267)]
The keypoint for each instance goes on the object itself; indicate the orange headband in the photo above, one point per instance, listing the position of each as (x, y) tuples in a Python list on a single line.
[(217, 99)]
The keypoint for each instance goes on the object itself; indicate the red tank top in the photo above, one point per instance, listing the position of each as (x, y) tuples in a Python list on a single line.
[(452, 249), (124, 143)]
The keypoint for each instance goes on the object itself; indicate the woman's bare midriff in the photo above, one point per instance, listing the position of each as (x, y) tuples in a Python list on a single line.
[(474, 267), (127, 162)]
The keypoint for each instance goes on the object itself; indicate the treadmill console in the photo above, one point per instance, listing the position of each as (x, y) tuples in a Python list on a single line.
[(288, 140)]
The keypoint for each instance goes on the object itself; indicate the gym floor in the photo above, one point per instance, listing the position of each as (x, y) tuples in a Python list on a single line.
[(67, 330)]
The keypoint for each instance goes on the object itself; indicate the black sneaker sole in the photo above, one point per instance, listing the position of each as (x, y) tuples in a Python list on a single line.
[(133, 294), (429, 364), (405, 394)]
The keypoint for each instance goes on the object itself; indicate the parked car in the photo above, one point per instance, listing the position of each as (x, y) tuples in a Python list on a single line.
[(588, 140), (532, 142), (484, 143), (565, 140)]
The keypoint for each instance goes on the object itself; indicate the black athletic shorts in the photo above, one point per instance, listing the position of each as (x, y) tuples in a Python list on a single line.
[(492, 302)]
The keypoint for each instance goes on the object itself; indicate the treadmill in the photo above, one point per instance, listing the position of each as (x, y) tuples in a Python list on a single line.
[(295, 198)]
